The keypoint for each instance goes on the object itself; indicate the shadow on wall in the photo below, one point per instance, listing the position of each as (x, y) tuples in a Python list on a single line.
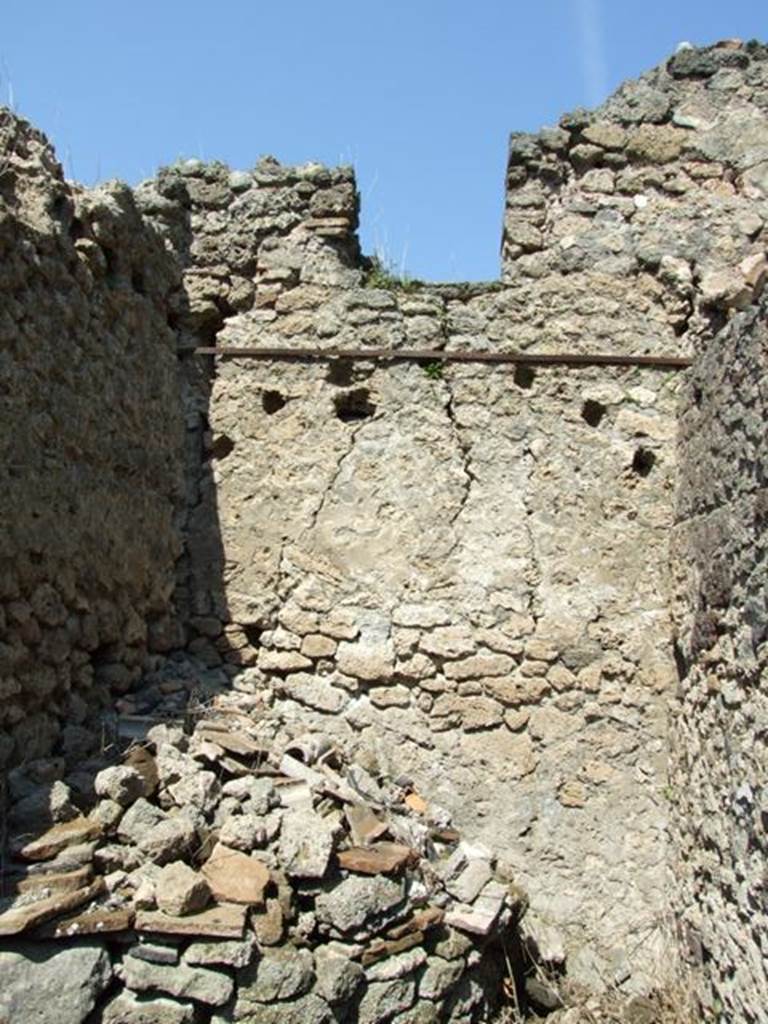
[(101, 429), (200, 599)]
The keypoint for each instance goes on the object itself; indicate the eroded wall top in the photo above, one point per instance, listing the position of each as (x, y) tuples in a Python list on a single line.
[(657, 197)]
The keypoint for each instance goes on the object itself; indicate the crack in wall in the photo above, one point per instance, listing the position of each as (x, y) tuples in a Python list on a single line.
[(282, 574), (529, 460), (464, 449), (328, 490)]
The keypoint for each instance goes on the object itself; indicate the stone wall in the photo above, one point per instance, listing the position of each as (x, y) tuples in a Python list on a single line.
[(719, 779), (463, 569), (90, 434), (459, 571), (473, 590), (649, 204)]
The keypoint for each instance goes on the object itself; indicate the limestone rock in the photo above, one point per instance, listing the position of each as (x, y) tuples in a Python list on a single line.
[(282, 661), (308, 1009), (198, 789), (448, 642), (399, 966), (726, 287), (49, 983), (390, 696), (658, 144), (438, 977), (122, 784), (754, 269), (140, 759), (235, 877), (201, 984), (138, 820), (306, 844), (243, 832), (425, 616), (107, 815), (315, 645), (357, 900), (338, 977), (228, 953), (605, 134), (384, 999), (169, 840), (225, 921), (180, 890), (45, 804), (58, 838), (315, 692), (365, 660), (128, 1008), (280, 974)]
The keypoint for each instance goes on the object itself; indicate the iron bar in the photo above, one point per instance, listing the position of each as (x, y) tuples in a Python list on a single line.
[(662, 362)]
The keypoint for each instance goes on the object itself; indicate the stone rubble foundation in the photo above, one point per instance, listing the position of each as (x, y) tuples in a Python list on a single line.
[(213, 875)]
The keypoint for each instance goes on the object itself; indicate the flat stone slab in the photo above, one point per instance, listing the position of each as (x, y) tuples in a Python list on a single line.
[(19, 919), (231, 953), (469, 884), (364, 825), (226, 921), (56, 839), (422, 920), (91, 922), (57, 882), (126, 1008), (156, 952), (380, 949), (198, 983), (399, 965), (236, 877), (377, 859), (235, 742), (481, 916)]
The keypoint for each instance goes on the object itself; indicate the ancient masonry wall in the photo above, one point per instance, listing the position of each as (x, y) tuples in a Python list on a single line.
[(89, 438), (462, 571), (719, 780)]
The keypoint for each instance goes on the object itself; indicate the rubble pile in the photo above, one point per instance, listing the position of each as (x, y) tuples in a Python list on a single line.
[(216, 875)]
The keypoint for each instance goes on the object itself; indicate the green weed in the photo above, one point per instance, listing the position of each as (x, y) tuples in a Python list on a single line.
[(434, 371), (380, 275)]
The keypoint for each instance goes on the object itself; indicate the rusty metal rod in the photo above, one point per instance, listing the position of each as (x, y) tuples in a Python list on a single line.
[(662, 362)]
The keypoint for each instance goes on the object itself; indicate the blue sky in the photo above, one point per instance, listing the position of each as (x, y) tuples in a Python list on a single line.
[(420, 95)]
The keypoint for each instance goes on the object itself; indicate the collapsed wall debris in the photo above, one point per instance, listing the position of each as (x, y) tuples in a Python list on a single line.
[(214, 875), (456, 572)]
